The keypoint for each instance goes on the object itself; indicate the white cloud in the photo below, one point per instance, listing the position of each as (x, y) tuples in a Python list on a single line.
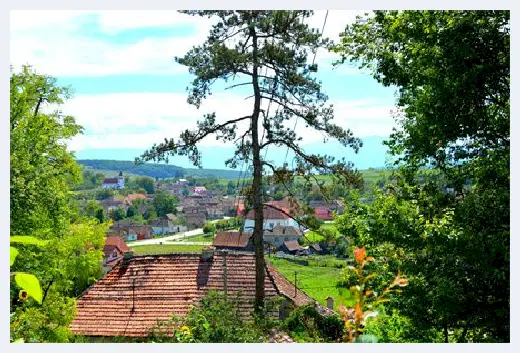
[(137, 120), (53, 43)]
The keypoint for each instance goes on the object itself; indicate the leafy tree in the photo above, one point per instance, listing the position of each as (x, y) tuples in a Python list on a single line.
[(117, 214), (452, 72), (209, 228), (147, 184), (150, 213), (131, 211), (42, 175), (164, 203), (105, 194), (240, 45)]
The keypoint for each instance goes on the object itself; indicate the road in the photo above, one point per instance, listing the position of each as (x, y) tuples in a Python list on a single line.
[(168, 239)]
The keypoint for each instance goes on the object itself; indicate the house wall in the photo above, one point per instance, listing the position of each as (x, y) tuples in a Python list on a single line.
[(131, 237), (278, 240), (249, 224), (160, 230)]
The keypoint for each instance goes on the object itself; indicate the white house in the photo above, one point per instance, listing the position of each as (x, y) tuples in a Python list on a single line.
[(114, 183), (272, 218)]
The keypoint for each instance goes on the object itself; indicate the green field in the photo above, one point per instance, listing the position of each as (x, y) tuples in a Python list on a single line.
[(166, 249), (312, 237), (203, 238), (319, 282)]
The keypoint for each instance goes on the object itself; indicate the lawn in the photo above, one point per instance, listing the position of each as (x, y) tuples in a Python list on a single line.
[(203, 238), (317, 280), (157, 249), (312, 237)]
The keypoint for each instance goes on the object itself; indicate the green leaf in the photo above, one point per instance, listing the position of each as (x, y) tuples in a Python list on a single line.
[(13, 252), (24, 239), (29, 283)]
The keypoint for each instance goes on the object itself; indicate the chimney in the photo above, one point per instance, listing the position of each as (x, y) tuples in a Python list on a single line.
[(127, 255), (208, 253), (330, 303)]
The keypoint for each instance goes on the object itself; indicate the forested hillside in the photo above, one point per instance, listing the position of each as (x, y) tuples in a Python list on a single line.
[(156, 170)]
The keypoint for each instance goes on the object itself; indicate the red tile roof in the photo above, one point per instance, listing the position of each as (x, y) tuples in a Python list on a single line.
[(115, 242), (169, 285), (232, 239), (269, 213)]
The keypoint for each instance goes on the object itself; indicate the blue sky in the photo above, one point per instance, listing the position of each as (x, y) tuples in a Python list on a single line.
[(129, 93)]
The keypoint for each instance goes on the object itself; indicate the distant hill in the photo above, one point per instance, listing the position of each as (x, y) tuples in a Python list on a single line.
[(160, 171)]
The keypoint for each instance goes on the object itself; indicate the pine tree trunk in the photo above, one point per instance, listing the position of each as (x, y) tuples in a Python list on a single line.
[(257, 184)]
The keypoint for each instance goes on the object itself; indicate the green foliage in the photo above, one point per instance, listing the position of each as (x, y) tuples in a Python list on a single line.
[(452, 72), (164, 203), (105, 194), (216, 319), (209, 228), (147, 184), (306, 324), (117, 214), (42, 175), (30, 284), (41, 168), (131, 212)]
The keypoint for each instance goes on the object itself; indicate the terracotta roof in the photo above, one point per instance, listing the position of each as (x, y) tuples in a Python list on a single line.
[(169, 285), (115, 242), (232, 239), (133, 197), (292, 245), (269, 213)]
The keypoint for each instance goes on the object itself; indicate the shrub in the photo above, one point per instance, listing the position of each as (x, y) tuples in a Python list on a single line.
[(306, 324), (215, 319)]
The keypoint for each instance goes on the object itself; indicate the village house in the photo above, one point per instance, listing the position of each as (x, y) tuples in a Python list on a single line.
[(200, 191), (131, 232), (323, 213), (239, 241), (114, 183), (272, 218), (144, 290), (167, 225), (195, 220), (109, 205), (280, 234), (114, 250), (334, 206)]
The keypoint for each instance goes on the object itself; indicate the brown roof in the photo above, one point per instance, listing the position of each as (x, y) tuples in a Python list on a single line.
[(169, 285), (292, 245), (110, 181), (232, 239), (171, 216), (269, 213)]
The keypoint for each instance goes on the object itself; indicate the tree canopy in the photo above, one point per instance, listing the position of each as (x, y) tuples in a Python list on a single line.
[(268, 53), (451, 70)]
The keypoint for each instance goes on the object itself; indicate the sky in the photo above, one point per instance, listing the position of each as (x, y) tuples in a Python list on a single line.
[(130, 93)]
